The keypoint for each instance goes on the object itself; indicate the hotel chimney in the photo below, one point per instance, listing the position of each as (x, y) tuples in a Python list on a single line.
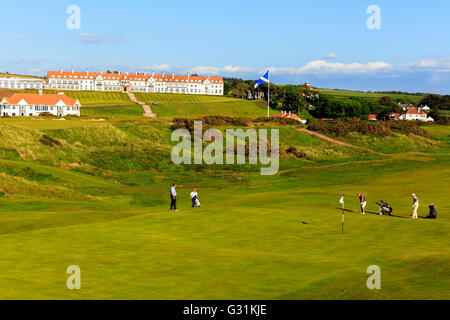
[(173, 75), (87, 71), (189, 75), (72, 71)]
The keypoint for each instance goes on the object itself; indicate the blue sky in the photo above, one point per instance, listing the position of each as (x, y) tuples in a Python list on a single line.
[(325, 42)]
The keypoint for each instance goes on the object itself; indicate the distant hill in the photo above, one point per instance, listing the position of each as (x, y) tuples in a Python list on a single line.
[(10, 75), (414, 97)]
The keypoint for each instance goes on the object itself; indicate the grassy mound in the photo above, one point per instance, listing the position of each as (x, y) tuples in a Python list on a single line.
[(91, 98), (95, 194)]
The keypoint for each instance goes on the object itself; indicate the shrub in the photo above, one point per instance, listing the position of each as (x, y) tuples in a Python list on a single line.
[(281, 121), (49, 141), (298, 154), (342, 127), (45, 114)]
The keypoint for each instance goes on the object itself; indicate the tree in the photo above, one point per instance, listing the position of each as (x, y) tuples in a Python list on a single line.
[(293, 101), (240, 91), (434, 113)]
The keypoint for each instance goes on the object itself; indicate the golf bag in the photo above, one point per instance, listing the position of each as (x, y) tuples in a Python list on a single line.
[(385, 208), (197, 202), (433, 212)]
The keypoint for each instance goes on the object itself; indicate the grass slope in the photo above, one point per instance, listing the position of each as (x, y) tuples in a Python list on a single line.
[(359, 94), (100, 201)]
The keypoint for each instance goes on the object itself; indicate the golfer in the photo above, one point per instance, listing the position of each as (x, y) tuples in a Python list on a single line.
[(173, 197), (415, 205), (362, 203), (194, 196)]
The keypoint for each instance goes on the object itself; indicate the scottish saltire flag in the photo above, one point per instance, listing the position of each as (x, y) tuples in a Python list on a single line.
[(264, 78), (342, 200)]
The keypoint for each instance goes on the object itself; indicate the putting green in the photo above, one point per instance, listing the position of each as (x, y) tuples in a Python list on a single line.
[(255, 237)]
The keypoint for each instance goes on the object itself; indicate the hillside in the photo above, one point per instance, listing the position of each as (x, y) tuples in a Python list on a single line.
[(9, 75), (93, 192), (413, 98)]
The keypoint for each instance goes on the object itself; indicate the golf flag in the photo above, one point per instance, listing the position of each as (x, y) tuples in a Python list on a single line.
[(343, 213), (264, 78)]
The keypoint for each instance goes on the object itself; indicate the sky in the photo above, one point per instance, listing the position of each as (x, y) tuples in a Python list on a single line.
[(400, 45)]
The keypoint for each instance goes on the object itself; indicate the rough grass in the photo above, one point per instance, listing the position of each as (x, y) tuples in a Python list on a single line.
[(180, 98), (359, 94), (230, 108), (100, 201), (92, 98)]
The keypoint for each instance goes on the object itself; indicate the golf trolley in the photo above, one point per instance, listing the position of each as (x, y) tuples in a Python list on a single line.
[(385, 208)]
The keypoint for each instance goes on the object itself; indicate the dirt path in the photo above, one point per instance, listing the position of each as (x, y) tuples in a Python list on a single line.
[(147, 109), (339, 142), (329, 139)]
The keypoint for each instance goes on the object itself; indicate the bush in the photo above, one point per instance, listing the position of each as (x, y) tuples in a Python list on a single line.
[(298, 154), (343, 127), (210, 121), (46, 114), (281, 121), (49, 141)]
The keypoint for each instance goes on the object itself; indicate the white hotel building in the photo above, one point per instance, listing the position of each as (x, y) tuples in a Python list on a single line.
[(33, 104), (138, 82), (16, 82)]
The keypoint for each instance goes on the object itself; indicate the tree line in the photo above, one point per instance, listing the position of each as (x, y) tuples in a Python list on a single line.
[(296, 98)]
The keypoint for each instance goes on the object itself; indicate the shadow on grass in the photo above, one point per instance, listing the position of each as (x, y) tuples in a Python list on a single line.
[(376, 213)]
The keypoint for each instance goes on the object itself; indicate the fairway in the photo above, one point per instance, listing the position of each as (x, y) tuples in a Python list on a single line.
[(414, 98), (99, 200)]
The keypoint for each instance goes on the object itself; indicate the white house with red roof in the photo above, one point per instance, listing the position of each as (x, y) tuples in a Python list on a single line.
[(415, 114), (289, 115), (33, 104), (137, 82)]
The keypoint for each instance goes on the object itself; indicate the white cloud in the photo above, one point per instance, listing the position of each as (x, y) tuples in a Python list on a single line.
[(205, 70), (158, 67), (17, 37), (324, 67), (330, 56), (238, 69), (94, 38), (431, 64)]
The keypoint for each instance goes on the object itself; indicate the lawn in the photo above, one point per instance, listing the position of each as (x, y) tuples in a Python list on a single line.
[(100, 201), (230, 108), (415, 98), (180, 98), (91, 98), (112, 112)]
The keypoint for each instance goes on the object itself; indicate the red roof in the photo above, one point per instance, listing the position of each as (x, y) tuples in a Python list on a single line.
[(44, 99), (132, 76), (286, 115), (373, 116), (414, 111)]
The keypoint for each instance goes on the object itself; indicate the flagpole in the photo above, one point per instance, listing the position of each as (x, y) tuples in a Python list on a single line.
[(268, 93), (343, 214)]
